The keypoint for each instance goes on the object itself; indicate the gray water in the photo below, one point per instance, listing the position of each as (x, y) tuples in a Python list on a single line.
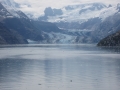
[(59, 67)]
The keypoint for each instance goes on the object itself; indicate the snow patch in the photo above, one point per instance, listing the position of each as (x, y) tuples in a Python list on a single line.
[(72, 13)]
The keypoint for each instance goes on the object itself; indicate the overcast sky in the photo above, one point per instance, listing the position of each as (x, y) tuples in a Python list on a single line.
[(38, 6)]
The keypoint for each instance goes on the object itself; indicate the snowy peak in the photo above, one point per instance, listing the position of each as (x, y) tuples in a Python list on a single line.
[(79, 13), (118, 7), (21, 14), (9, 9), (75, 13), (92, 7), (9, 3), (3, 12), (83, 6)]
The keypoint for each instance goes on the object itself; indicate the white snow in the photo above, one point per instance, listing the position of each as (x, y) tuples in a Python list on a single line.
[(10, 5), (31, 41), (69, 15), (72, 15), (59, 38), (107, 12)]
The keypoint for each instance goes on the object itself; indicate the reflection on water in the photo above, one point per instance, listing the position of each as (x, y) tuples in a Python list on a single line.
[(59, 67)]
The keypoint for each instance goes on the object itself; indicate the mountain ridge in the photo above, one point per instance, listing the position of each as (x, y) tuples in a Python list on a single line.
[(94, 22)]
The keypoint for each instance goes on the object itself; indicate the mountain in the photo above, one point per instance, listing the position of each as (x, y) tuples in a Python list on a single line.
[(71, 15), (46, 26), (7, 35), (4, 13), (10, 37), (9, 3), (21, 25), (79, 16), (18, 23), (84, 23), (11, 6), (111, 40), (109, 26), (118, 7)]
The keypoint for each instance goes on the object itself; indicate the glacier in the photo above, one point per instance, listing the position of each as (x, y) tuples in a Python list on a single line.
[(80, 23)]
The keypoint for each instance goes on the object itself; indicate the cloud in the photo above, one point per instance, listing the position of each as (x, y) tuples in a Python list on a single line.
[(57, 3)]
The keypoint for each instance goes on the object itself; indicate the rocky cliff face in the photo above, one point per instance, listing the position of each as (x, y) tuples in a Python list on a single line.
[(111, 40), (10, 37)]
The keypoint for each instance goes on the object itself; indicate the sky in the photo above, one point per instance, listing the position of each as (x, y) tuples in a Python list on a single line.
[(37, 6)]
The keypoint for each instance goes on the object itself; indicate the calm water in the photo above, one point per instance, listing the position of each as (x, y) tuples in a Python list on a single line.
[(59, 67)]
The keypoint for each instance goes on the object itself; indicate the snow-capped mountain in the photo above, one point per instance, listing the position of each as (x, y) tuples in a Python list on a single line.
[(18, 23), (13, 9), (4, 13), (78, 14), (9, 3), (75, 13), (77, 23), (118, 7), (83, 23)]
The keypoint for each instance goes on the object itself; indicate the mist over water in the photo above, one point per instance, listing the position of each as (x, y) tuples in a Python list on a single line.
[(59, 67)]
